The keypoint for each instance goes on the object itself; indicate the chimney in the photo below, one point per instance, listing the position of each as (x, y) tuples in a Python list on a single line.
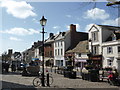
[(73, 27), (10, 51), (51, 34)]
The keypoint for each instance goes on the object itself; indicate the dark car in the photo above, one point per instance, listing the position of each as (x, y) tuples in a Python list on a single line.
[(21, 67)]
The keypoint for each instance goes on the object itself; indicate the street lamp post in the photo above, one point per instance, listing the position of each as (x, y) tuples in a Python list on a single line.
[(90, 40), (43, 23), (91, 52)]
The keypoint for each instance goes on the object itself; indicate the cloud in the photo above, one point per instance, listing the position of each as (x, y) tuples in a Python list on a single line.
[(96, 13), (77, 26), (56, 27), (88, 27), (35, 21), (19, 9), (69, 16), (15, 39), (112, 22), (20, 31)]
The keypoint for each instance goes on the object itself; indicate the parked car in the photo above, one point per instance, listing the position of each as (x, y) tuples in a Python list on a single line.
[(21, 66)]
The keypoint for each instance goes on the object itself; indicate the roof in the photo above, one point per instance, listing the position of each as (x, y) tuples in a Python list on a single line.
[(106, 27), (62, 35), (117, 36), (110, 27), (51, 39), (81, 47)]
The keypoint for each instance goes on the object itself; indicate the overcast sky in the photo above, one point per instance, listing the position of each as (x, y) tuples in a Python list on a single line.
[(20, 27)]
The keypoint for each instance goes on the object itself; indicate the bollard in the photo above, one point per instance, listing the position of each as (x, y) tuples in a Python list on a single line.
[(48, 79), (51, 69), (55, 69)]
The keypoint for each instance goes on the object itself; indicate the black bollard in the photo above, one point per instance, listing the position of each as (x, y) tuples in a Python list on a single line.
[(48, 80)]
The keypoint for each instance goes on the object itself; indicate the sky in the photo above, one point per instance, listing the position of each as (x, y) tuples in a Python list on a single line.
[(20, 27)]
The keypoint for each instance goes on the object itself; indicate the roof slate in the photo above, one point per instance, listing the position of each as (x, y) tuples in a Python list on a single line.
[(81, 47)]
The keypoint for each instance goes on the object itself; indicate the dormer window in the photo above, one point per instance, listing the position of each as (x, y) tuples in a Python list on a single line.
[(113, 37)]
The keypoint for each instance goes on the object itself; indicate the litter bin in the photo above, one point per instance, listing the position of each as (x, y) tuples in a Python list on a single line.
[(72, 74), (94, 75)]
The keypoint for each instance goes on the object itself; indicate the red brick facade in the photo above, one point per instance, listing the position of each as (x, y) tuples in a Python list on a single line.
[(49, 50)]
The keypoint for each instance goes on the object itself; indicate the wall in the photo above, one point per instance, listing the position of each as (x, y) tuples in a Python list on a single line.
[(114, 55)]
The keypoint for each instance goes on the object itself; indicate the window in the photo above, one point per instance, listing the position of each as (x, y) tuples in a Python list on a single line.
[(95, 50), (61, 43), (79, 55), (61, 52), (110, 62), (95, 36), (51, 53), (109, 50), (58, 51), (113, 37), (87, 47), (55, 44), (61, 62), (118, 49), (58, 44)]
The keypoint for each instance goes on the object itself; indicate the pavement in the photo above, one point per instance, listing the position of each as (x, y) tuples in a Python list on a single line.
[(14, 80)]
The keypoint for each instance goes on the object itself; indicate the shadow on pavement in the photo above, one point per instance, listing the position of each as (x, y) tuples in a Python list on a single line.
[(14, 86), (11, 73)]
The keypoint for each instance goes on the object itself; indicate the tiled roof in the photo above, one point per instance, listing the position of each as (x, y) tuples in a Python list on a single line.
[(82, 47)]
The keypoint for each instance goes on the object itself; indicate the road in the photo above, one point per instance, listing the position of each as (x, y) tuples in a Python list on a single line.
[(15, 80)]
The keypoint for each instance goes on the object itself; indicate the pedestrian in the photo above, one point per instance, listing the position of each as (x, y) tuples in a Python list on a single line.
[(7, 67), (116, 73), (13, 67)]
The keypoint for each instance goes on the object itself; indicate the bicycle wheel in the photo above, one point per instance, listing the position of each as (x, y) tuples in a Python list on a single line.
[(36, 81), (50, 80)]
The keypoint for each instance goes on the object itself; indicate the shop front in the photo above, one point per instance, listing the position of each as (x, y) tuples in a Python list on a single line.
[(96, 61), (80, 63)]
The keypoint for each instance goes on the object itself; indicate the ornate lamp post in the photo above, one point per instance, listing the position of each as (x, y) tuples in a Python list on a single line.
[(43, 23)]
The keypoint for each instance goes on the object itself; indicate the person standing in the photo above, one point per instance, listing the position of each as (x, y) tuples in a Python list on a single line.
[(13, 67)]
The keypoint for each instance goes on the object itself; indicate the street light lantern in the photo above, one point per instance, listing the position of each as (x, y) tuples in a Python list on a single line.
[(43, 21), (90, 40)]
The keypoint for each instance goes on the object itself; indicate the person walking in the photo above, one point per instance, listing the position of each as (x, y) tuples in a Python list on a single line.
[(13, 67)]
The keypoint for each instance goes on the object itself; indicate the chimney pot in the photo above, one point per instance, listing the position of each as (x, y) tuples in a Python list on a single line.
[(51, 34), (73, 27)]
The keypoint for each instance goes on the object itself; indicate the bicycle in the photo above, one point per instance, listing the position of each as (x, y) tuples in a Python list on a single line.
[(37, 81)]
